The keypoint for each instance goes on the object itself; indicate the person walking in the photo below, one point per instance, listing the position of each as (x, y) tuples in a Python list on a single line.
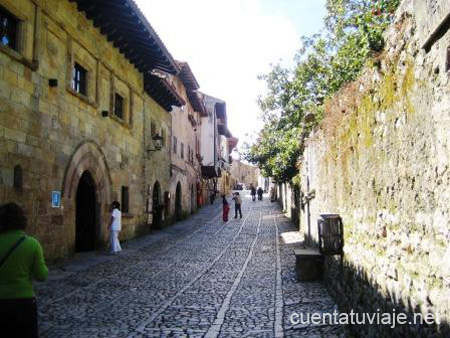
[(212, 196), (237, 205), (114, 227), (21, 260), (260, 193), (253, 193), (226, 208)]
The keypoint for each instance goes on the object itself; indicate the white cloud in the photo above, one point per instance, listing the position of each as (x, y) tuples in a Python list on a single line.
[(227, 44)]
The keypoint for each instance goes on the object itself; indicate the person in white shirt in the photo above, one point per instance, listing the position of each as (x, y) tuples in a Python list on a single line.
[(237, 205), (114, 227)]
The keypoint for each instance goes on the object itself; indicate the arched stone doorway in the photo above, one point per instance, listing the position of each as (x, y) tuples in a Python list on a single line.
[(157, 206), (178, 205), (87, 174), (86, 227)]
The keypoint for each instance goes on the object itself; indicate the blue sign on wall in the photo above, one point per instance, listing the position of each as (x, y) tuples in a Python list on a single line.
[(56, 199)]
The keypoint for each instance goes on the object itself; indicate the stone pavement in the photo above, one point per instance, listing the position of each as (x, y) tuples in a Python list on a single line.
[(199, 278)]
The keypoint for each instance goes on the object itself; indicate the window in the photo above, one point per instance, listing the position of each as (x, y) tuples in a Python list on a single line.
[(447, 61), (118, 106), (79, 79), (182, 150), (153, 129), (175, 145), (125, 200), (189, 153), (18, 180), (163, 136), (8, 29)]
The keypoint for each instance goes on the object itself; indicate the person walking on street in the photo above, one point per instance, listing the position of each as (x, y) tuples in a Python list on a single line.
[(237, 205), (114, 227), (21, 260), (260, 194), (253, 193), (226, 208)]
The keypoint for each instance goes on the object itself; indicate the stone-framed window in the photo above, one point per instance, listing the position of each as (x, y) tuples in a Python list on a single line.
[(125, 199), (19, 30), (119, 106), (121, 98), (9, 30), (81, 76), (182, 150), (175, 145), (189, 153), (80, 79)]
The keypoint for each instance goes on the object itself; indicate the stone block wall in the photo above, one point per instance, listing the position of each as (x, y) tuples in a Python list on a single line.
[(381, 160), (55, 134)]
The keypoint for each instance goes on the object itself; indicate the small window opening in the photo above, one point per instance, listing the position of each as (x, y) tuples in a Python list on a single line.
[(79, 79), (153, 129), (118, 106), (18, 177), (125, 199), (8, 29)]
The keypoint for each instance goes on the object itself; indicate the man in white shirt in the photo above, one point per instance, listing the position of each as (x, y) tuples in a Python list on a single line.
[(114, 227)]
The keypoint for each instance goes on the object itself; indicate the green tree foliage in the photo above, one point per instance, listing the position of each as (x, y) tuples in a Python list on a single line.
[(294, 103)]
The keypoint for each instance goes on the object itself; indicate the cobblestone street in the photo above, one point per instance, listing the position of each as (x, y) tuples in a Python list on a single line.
[(199, 278)]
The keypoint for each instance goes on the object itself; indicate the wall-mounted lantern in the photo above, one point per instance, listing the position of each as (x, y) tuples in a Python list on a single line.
[(157, 143)]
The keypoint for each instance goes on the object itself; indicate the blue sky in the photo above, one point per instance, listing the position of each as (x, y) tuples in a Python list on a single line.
[(229, 43), (306, 15)]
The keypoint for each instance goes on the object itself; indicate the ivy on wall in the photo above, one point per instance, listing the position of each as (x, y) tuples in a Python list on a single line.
[(326, 61)]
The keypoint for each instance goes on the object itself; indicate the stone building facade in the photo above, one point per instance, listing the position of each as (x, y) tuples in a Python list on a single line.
[(217, 143), (77, 108), (186, 123), (380, 160), (244, 173)]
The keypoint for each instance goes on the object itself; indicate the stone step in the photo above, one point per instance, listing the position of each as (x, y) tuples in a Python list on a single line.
[(308, 264)]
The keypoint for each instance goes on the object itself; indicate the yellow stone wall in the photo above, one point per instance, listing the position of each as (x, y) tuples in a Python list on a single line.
[(49, 130)]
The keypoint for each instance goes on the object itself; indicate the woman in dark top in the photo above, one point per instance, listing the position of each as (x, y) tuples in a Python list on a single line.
[(21, 259)]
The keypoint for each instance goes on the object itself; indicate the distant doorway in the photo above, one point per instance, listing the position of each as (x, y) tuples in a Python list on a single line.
[(178, 206), (157, 206), (192, 199), (85, 233)]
